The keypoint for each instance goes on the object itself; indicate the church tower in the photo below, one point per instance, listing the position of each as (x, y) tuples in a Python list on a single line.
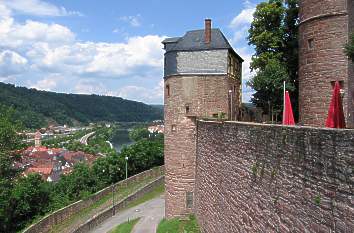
[(202, 79), (37, 139), (325, 26)]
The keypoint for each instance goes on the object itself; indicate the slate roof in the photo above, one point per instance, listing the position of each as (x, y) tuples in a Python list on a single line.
[(194, 41)]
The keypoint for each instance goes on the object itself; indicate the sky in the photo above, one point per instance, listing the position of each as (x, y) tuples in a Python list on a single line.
[(108, 47)]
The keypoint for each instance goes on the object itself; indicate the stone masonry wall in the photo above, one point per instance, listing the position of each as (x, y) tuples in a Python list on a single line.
[(196, 62), (268, 178), (323, 34), (350, 95), (205, 96)]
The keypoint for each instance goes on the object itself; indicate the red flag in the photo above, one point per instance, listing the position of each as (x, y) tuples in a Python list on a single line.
[(288, 116), (335, 117)]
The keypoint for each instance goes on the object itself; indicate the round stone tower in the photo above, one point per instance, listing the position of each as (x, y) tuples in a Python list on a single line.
[(202, 78), (325, 26)]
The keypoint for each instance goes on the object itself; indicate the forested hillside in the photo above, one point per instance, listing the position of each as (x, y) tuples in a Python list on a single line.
[(38, 108)]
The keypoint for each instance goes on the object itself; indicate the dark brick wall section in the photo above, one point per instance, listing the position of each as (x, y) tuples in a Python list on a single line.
[(268, 178)]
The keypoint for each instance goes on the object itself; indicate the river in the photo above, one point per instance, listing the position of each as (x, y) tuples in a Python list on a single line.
[(120, 139)]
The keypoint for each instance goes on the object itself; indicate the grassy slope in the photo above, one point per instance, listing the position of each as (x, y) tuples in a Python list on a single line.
[(177, 225), (126, 227)]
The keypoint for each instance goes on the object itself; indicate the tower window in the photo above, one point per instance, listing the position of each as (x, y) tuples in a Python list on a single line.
[(189, 199), (173, 128), (187, 108), (311, 43), (168, 90)]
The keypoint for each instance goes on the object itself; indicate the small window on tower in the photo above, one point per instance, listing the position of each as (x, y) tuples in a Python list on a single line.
[(189, 199), (173, 128), (168, 90), (187, 108), (311, 43)]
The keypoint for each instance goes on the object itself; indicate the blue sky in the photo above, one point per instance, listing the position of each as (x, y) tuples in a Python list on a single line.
[(107, 47)]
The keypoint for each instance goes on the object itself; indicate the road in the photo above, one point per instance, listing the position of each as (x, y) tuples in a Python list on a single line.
[(150, 213), (83, 140)]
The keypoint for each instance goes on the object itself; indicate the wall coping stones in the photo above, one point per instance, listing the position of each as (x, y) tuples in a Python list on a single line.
[(343, 13), (276, 125)]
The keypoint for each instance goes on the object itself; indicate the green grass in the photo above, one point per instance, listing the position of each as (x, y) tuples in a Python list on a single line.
[(148, 196), (177, 225), (126, 227), (105, 202)]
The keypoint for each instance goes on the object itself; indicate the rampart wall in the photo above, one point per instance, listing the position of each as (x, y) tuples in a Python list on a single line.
[(268, 178)]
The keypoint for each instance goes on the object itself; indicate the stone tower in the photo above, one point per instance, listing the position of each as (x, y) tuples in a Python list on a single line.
[(325, 26), (37, 139), (202, 78)]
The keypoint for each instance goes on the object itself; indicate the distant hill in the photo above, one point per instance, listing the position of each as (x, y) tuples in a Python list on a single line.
[(38, 108)]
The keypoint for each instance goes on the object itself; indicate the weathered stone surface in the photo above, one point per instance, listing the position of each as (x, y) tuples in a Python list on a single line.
[(350, 95), (205, 96), (325, 25), (268, 178)]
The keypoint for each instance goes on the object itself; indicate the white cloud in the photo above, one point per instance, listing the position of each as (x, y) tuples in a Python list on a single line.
[(49, 57), (115, 59), (246, 54), (240, 25), (37, 8), (17, 35), (244, 18), (241, 22), (139, 93), (133, 20), (47, 84), (11, 63), (90, 87), (4, 11)]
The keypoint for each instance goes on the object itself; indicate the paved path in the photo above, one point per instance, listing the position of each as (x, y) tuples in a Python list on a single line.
[(83, 140), (150, 213)]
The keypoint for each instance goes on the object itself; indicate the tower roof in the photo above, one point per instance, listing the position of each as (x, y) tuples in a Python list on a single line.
[(194, 41)]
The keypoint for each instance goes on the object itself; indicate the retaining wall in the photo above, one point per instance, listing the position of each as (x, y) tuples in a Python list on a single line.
[(108, 213), (45, 224), (268, 178)]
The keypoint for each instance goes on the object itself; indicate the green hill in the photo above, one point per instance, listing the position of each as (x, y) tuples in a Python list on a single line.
[(38, 108)]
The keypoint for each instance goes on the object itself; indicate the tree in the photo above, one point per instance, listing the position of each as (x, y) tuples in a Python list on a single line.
[(138, 134), (78, 184), (143, 155), (29, 198), (268, 84), (274, 33), (349, 48)]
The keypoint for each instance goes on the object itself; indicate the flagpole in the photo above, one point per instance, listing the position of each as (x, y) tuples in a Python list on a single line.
[(284, 101)]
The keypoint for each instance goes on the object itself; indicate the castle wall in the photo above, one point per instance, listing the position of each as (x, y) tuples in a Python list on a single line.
[(351, 69), (196, 62), (205, 96), (323, 34), (269, 178)]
